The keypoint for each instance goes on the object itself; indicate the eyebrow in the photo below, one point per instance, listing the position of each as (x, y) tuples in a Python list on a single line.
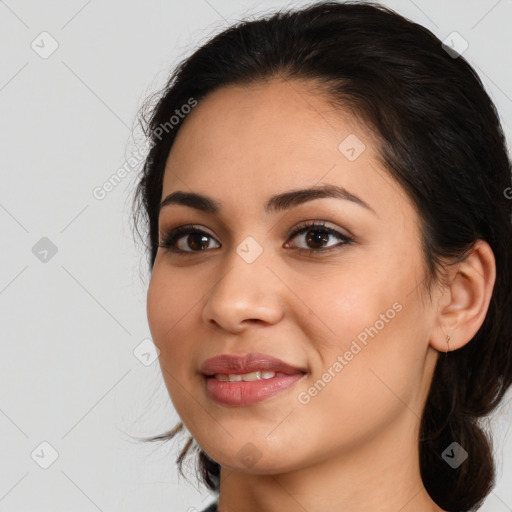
[(277, 203)]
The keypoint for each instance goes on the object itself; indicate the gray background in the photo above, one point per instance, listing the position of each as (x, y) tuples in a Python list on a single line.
[(77, 368)]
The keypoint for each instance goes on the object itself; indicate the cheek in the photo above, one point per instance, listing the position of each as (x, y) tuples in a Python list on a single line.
[(167, 305), (377, 328), (367, 299), (170, 309), (344, 305)]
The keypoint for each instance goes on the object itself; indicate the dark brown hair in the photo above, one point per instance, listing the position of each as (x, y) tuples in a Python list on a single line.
[(439, 136)]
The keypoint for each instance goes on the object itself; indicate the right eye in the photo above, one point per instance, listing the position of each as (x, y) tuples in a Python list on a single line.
[(196, 240)]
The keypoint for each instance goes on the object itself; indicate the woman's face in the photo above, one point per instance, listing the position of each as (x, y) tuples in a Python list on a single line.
[(351, 318)]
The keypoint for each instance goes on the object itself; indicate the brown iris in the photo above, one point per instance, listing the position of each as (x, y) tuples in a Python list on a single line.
[(199, 241), (318, 237)]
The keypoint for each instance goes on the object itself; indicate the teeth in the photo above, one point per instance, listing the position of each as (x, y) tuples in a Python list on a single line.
[(246, 377)]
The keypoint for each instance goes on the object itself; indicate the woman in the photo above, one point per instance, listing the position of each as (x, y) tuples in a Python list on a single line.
[(330, 246)]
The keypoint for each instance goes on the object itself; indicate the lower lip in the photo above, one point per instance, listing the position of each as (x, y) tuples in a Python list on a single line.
[(247, 393)]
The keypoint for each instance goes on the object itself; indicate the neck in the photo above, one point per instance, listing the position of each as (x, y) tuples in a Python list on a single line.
[(382, 474)]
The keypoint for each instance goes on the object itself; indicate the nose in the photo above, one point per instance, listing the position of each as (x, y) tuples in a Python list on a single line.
[(245, 294)]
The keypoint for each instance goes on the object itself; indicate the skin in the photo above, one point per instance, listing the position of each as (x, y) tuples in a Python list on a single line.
[(354, 446)]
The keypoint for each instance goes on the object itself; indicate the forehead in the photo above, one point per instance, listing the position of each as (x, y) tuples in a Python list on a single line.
[(245, 143)]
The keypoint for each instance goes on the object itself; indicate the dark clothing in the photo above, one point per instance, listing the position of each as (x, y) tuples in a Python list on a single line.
[(211, 508)]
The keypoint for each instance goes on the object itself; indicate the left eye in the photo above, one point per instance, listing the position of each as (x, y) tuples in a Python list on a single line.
[(191, 237), (318, 235)]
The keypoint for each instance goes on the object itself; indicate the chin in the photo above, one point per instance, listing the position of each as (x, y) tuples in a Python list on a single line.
[(254, 460)]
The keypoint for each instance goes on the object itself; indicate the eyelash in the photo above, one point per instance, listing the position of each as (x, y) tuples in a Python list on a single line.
[(170, 239)]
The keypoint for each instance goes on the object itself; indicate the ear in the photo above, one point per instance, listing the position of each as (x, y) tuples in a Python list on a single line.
[(465, 299)]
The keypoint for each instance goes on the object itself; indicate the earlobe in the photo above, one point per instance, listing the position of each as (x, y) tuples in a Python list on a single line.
[(465, 301)]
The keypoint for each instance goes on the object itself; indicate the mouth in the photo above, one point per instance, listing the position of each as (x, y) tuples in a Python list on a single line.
[(248, 377), (245, 380)]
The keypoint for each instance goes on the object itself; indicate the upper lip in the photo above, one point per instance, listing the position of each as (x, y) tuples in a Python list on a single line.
[(238, 364)]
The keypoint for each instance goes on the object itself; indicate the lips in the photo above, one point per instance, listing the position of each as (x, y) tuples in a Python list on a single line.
[(236, 364), (262, 377)]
